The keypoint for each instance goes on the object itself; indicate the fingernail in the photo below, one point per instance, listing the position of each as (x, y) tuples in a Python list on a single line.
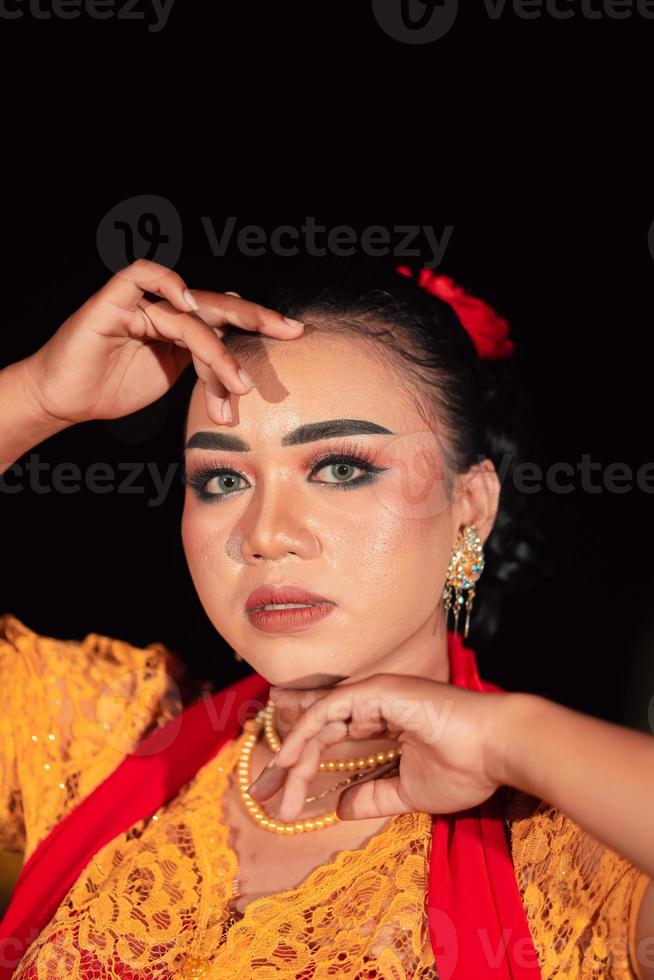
[(191, 300), (269, 781), (292, 323), (227, 410), (245, 377)]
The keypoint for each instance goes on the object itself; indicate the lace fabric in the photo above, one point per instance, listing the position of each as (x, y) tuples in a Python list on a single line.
[(581, 897), (156, 902)]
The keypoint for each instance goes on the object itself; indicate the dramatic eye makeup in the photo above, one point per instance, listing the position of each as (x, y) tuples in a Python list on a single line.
[(337, 461)]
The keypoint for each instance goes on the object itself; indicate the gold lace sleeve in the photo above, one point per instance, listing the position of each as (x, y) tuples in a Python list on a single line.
[(12, 823), (70, 711), (581, 898)]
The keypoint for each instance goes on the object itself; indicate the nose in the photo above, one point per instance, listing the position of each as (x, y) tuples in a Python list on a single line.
[(275, 525)]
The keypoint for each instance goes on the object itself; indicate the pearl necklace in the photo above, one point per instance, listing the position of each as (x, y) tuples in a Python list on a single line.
[(329, 765), (253, 727)]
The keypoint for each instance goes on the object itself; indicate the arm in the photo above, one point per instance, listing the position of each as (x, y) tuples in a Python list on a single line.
[(599, 774), (23, 423)]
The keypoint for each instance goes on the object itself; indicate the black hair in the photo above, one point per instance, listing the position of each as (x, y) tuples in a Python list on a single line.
[(479, 403)]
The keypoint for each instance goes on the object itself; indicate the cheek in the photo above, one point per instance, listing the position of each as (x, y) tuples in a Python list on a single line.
[(388, 557), (201, 539), (190, 533)]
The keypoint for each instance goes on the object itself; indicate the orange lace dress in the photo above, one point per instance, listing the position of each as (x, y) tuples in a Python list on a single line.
[(155, 903)]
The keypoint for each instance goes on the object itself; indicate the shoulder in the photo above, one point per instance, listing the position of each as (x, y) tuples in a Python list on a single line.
[(581, 897), (107, 653), (90, 662), (73, 708), (67, 678)]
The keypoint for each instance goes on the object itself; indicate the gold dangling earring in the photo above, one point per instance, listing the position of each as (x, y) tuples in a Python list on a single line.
[(238, 657), (465, 568)]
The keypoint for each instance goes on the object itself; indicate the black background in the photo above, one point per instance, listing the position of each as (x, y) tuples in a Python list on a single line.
[(575, 283), (529, 136)]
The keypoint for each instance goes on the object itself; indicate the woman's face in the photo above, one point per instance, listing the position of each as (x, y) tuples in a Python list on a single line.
[(375, 543)]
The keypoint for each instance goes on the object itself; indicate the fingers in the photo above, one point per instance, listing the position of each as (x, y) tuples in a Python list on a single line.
[(216, 309), (366, 707), (300, 775), (378, 798), (195, 320), (273, 777), (358, 710), (221, 331), (377, 707), (126, 288), (285, 717), (376, 793), (312, 722), (216, 395), (327, 720), (216, 367)]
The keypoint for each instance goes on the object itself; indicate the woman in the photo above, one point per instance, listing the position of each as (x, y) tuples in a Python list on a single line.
[(149, 851)]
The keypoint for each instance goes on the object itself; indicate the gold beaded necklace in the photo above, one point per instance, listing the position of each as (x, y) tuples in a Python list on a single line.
[(361, 768), (329, 765)]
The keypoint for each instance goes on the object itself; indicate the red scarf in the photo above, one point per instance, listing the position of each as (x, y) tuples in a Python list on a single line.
[(477, 922)]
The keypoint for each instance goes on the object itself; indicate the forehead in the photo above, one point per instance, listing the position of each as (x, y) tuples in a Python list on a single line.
[(311, 379)]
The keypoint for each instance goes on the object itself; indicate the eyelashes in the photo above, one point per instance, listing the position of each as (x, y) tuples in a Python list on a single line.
[(360, 458)]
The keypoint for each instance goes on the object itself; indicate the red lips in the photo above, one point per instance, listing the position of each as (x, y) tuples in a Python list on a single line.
[(266, 595)]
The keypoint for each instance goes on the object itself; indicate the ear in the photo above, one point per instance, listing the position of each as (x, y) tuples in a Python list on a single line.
[(478, 497)]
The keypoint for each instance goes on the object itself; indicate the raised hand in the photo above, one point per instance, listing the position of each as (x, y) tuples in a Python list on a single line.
[(121, 351)]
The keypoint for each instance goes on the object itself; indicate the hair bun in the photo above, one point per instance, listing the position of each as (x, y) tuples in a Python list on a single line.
[(488, 331)]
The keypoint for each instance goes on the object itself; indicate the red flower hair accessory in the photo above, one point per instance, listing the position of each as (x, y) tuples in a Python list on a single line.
[(488, 331)]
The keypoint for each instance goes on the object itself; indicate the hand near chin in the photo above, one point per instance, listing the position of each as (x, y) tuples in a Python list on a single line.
[(454, 744)]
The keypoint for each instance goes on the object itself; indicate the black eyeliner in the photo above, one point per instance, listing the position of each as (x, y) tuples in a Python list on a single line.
[(201, 476)]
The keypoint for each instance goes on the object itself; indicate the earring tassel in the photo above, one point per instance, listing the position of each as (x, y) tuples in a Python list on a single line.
[(469, 601)]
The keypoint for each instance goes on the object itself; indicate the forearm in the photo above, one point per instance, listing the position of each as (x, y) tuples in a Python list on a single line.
[(599, 774), (23, 424)]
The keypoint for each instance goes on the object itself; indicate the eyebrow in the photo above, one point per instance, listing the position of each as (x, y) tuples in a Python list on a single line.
[(311, 432)]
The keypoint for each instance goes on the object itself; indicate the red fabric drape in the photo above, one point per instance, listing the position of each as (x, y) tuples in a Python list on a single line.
[(477, 922)]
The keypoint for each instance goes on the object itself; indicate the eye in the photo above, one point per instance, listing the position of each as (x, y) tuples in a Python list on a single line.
[(340, 467), (225, 482)]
